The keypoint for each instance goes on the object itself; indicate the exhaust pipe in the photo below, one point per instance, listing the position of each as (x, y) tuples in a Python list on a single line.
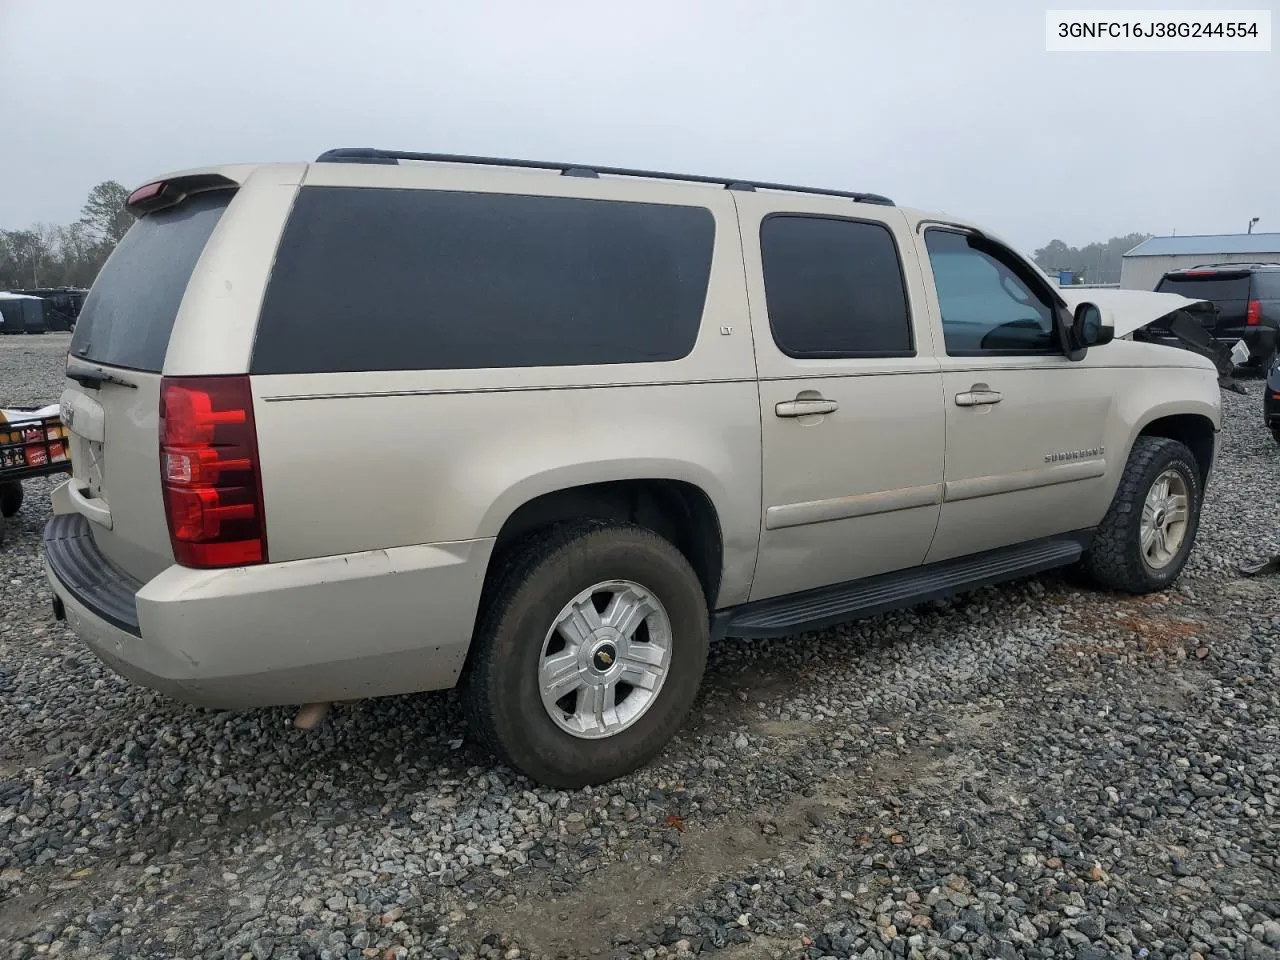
[(310, 714)]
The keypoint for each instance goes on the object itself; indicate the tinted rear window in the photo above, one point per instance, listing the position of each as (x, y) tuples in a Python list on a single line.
[(380, 279), (1207, 287), (834, 288), (1266, 285), (128, 316)]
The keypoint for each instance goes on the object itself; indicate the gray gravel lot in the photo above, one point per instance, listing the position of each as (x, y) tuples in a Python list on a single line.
[(1031, 771)]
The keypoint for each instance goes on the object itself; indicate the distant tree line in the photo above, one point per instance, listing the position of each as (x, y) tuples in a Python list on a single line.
[(55, 255), (1092, 263)]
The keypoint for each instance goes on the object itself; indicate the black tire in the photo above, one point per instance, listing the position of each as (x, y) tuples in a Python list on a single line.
[(500, 688), (1275, 433), (10, 498), (1261, 364), (1115, 559)]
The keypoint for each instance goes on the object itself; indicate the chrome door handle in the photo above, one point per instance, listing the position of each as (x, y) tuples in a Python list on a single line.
[(976, 398), (806, 407)]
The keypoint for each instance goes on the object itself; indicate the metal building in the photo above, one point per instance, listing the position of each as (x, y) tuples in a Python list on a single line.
[(1143, 266)]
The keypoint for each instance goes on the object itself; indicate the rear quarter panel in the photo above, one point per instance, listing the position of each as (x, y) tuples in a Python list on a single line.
[(214, 329), (372, 460)]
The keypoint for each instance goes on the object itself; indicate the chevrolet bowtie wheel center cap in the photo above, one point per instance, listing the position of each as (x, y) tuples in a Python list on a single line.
[(605, 657)]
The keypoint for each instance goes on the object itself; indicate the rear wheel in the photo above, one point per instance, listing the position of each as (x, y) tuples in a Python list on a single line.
[(589, 654), (10, 498), (1144, 540)]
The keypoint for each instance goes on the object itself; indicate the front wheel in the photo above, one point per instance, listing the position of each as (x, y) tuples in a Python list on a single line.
[(1144, 540), (588, 655)]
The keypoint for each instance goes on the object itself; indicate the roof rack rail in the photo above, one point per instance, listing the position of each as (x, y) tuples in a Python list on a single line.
[(1236, 264), (373, 155)]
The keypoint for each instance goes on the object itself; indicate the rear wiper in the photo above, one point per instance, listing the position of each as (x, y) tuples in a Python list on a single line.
[(94, 378)]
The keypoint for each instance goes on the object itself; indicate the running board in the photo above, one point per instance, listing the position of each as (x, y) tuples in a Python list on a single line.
[(841, 602)]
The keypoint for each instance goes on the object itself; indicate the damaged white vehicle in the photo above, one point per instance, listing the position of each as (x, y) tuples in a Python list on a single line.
[(1167, 319), (603, 417)]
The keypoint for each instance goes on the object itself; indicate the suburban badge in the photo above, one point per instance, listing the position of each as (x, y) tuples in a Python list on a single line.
[(1074, 455)]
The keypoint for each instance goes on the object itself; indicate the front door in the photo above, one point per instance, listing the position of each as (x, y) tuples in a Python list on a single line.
[(1025, 455), (850, 392)]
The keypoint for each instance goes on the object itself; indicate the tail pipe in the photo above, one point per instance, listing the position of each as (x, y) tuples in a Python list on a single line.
[(310, 714)]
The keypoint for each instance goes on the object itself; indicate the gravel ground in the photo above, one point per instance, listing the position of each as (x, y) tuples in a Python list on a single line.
[(1029, 771)]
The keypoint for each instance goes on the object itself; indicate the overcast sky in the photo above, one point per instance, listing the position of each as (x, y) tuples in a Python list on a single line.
[(951, 106)]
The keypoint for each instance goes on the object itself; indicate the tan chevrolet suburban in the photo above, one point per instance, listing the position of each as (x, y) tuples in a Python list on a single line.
[(392, 422)]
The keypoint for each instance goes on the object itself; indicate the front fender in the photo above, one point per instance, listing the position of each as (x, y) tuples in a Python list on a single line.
[(1183, 402)]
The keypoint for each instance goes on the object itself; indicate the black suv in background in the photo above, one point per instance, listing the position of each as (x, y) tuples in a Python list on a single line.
[(63, 307), (1247, 296)]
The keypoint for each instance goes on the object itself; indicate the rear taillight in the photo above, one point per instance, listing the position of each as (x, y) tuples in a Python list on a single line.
[(209, 472), (1254, 315)]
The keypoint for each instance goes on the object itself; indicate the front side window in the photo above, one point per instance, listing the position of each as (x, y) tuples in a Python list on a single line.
[(834, 288), (987, 307)]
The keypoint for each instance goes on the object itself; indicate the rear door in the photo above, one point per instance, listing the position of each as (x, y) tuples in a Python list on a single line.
[(112, 400), (1227, 289), (850, 392)]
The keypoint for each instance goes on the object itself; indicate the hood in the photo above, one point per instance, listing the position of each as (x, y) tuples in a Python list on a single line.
[(1130, 309)]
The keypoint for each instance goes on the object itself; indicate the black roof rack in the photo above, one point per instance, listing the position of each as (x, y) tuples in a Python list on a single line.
[(372, 155), (1240, 265)]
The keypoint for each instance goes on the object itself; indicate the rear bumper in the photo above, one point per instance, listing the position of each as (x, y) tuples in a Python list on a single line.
[(332, 628)]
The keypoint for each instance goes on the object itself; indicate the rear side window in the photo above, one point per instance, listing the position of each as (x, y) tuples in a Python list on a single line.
[(1266, 285), (1209, 287), (834, 288), (382, 279), (128, 316)]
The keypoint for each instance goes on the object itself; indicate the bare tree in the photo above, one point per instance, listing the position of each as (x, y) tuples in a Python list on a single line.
[(53, 255), (8, 261), (79, 255), (29, 253)]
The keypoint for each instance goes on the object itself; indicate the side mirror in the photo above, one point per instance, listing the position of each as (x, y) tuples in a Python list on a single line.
[(1091, 326)]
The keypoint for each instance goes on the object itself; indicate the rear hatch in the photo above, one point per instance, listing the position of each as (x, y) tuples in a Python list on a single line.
[(1227, 290), (111, 404)]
